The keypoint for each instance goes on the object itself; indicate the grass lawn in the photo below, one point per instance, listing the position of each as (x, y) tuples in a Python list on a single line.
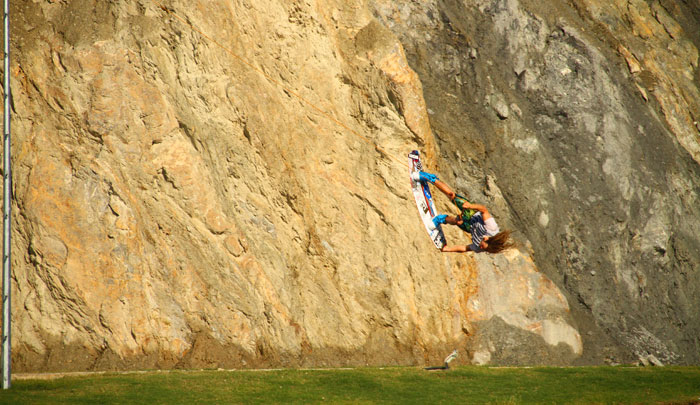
[(369, 385)]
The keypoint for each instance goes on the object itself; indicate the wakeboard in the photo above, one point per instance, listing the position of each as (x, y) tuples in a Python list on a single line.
[(424, 201)]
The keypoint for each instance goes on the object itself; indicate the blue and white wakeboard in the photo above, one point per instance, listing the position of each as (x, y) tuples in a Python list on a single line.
[(424, 201)]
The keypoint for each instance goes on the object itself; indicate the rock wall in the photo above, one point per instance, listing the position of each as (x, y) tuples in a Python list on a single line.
[(585, 113), (222, 184)]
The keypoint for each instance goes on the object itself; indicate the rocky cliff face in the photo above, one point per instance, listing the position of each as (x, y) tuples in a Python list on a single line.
[(222, 184), (586, 115)]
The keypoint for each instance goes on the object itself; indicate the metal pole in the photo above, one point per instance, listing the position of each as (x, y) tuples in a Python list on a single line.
[(7, 218)]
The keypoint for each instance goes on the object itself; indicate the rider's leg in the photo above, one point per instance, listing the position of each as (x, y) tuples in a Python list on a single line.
[(442, 186), (453, 220), (446, 219)]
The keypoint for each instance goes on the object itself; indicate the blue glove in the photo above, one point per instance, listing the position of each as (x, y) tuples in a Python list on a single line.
[(430, 178)]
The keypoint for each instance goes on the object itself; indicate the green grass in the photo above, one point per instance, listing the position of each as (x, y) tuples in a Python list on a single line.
[(403, 385)]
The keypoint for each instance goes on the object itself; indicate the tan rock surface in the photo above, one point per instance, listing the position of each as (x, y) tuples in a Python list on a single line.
[(176, 208)]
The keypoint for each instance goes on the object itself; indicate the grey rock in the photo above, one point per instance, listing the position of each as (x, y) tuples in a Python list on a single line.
[(612, 212)]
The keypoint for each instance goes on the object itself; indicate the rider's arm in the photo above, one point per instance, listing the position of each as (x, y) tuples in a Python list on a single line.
[(455, 249)]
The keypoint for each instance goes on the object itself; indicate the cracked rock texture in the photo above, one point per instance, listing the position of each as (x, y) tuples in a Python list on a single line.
[(586, 115), (224, 183)]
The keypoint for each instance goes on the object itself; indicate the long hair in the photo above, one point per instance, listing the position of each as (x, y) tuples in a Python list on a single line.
[(500, 242)]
